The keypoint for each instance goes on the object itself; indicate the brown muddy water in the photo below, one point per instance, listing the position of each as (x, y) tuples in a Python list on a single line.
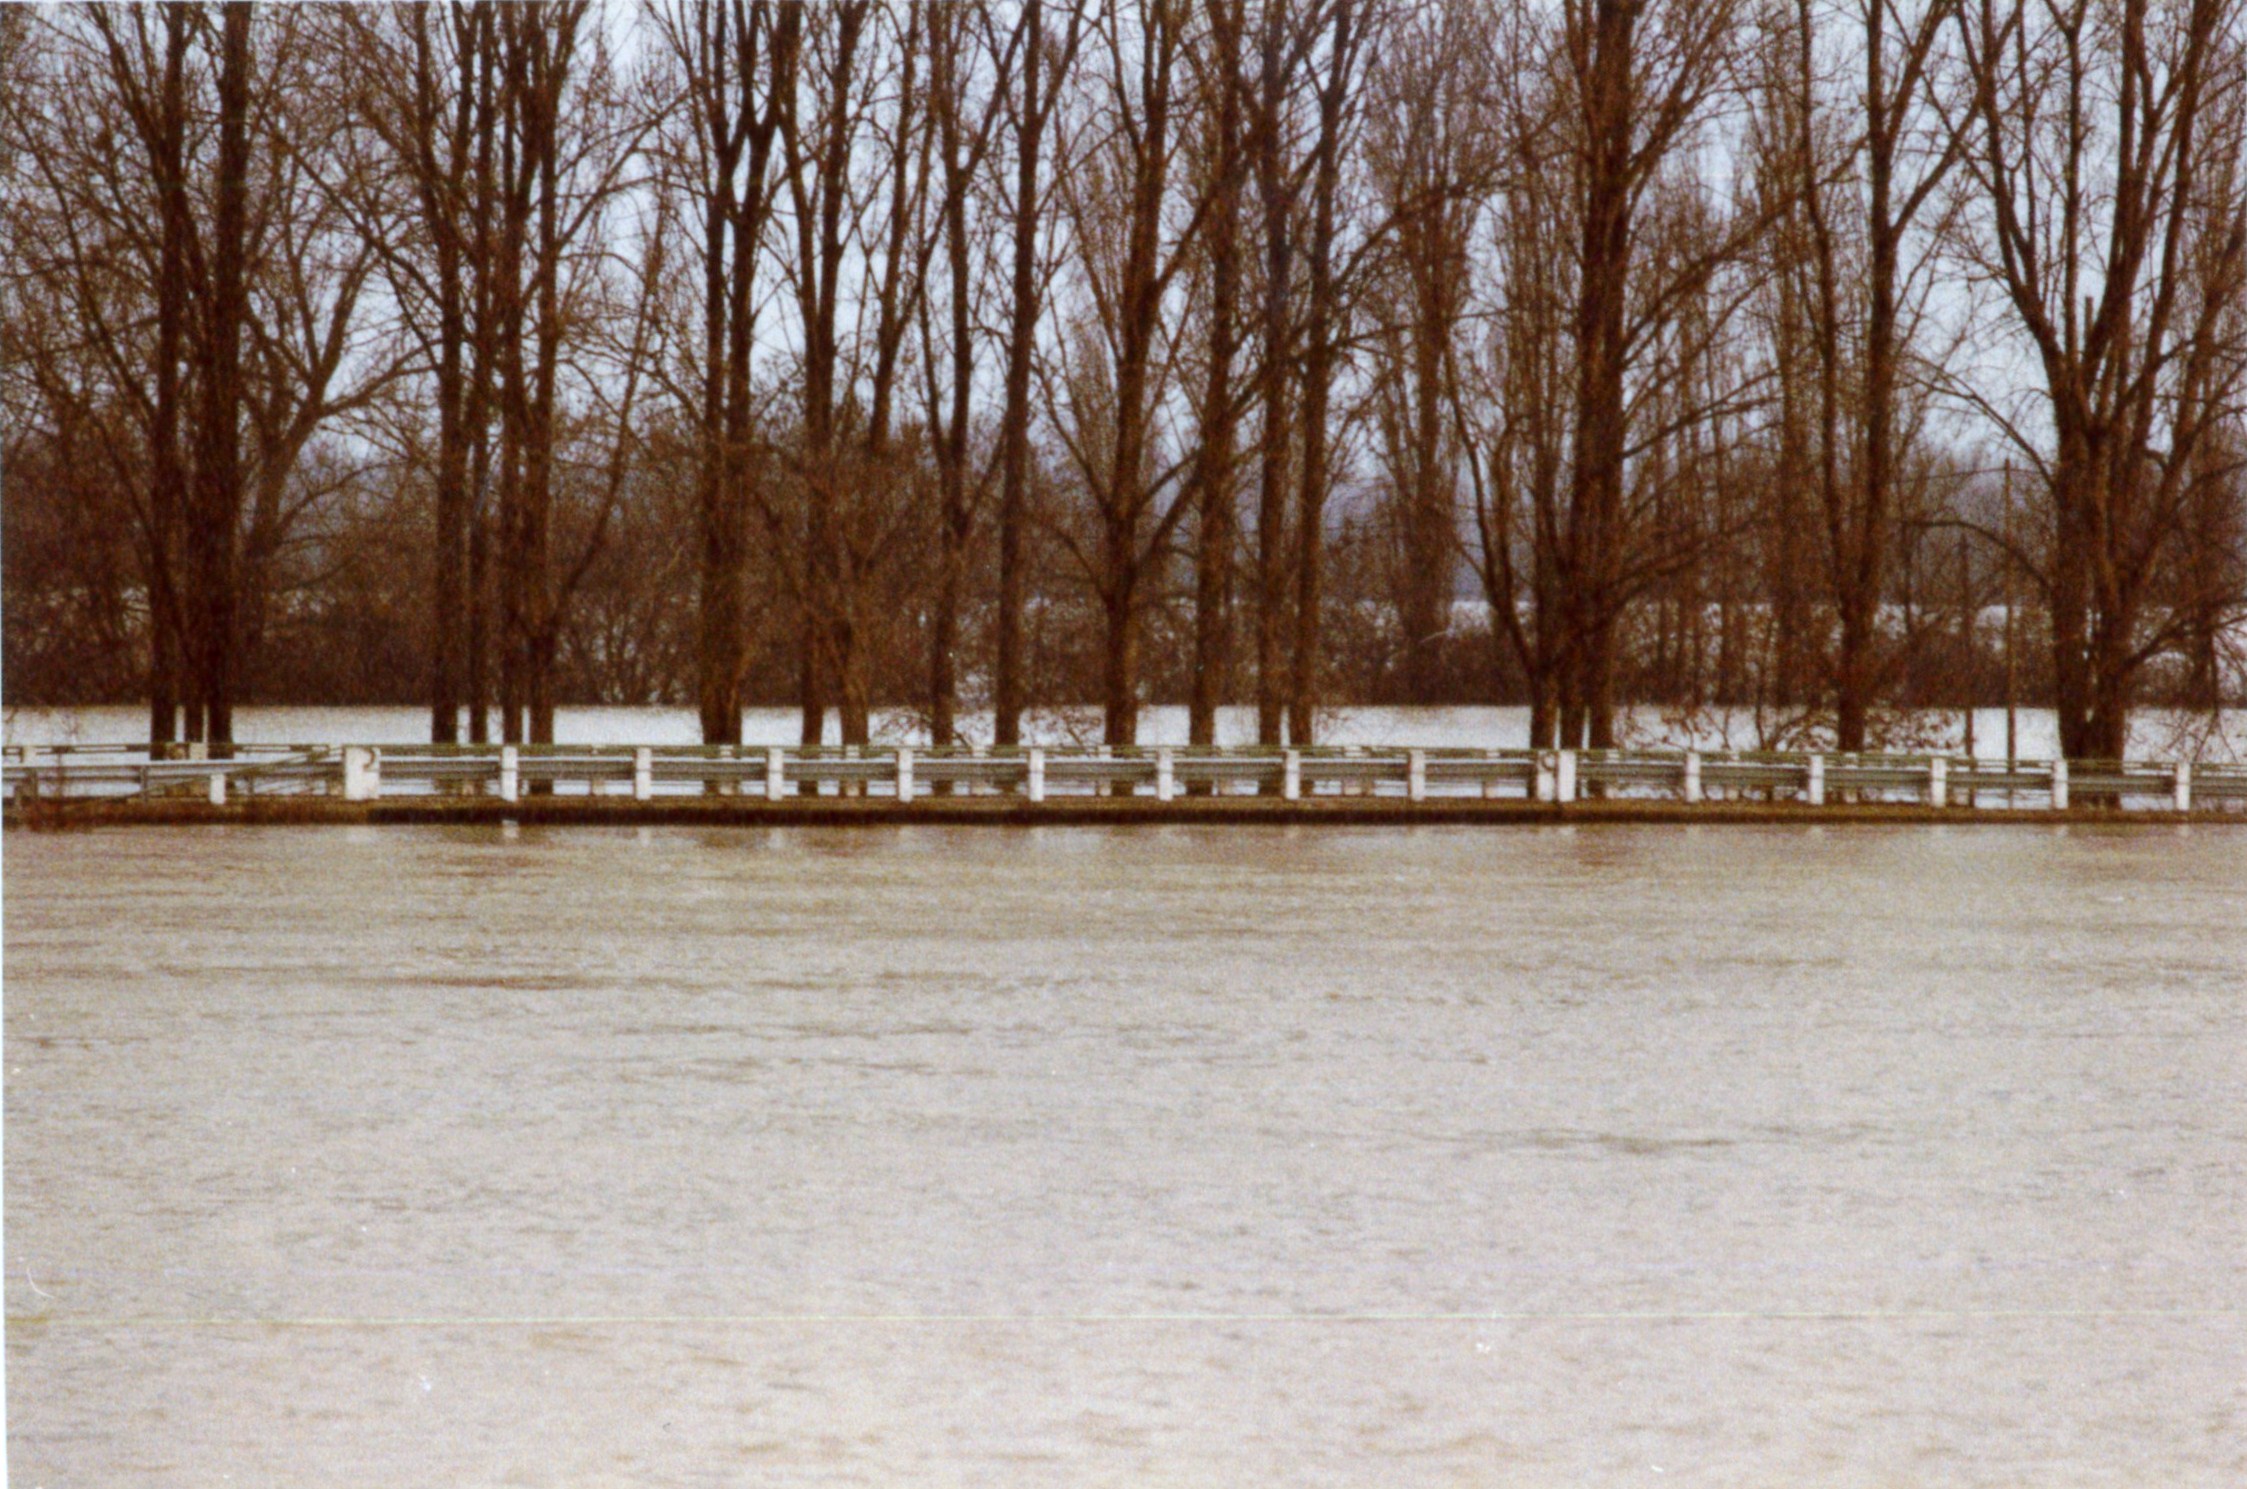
[(1715, 1156)]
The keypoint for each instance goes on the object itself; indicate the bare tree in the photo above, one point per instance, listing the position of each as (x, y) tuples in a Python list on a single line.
[(1226, 308), (2104, 164), (734, 62), (1217, 526), (1133, 240), (1046, 68), (213, 293), (862, 102), (1851, 181), (1642, 77), (966, 127), (1428, 154), (1272, 149), (1337, 95), (1512, 401), (414, 81), (567, 137)]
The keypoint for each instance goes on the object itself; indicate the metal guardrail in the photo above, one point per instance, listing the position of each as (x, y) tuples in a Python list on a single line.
[(367, 772)]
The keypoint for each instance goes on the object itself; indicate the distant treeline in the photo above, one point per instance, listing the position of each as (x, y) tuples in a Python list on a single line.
[(1837, 359)]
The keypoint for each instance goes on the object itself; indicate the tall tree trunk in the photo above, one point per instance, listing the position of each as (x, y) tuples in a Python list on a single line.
[(1009, 691), (438, 185), (218, 470), (955, 518), (1218, 529), (1274, 375), (831, 660), (1323, 314), (1604, 68), (1124, 490), (167, 486), (550, 59), (509, 318), (481, 393), (722, 499)]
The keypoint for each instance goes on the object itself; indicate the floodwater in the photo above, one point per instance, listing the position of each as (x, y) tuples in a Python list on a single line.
[(2155, 734), (1713, 1156)]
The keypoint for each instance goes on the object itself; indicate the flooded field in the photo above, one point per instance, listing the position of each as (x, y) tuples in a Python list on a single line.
[(2155, 734), (1227, 1156)]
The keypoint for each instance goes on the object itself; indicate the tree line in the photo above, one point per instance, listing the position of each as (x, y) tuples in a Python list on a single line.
[(1818, 355)]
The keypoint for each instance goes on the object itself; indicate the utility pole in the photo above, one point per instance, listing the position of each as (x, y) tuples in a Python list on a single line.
[(1966, 633), (2012, 726)]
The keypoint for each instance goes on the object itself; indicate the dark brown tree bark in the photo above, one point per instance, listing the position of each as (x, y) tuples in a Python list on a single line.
[(1517, 451), (962, 145), (728, 51), (1640, 75), (1134, 265), (1323, 331), (2090, 231), (561, 151), (153, 96), (1014, 432), (516, 177), (1602, 47), (1427, 160), (213, 540), (818, 161), (482, 394), (441, 140), (549, 57), (1275, 367), (707, 51), (954, 515), (167, 477), (1217, 518), (1045, 70), (1859, 505)]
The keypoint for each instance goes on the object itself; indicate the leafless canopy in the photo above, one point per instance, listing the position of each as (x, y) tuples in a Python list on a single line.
[(1803, 357)]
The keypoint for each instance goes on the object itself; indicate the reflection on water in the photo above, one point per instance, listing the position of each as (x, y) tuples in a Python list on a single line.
[(1176, 1155)]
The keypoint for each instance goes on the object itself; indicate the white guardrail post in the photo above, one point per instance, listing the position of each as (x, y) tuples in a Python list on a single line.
[(1556, 776), (362, 773)]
